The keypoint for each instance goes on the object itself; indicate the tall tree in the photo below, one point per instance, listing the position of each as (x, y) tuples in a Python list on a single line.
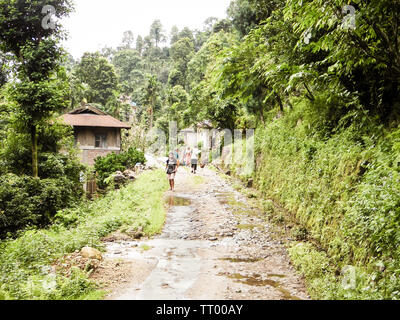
[(33, 40), (181, 53), (157, 33), (128, 39), (126, 61), (139, 44), (209, 23), (151, 91), (100, 78), (174, 35), (186, 33)]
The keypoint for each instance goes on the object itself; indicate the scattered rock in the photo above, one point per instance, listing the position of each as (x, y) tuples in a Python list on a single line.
[(91, 253), (130, 175), (135, 233), (117, 236), (119, 177), (92, 264)]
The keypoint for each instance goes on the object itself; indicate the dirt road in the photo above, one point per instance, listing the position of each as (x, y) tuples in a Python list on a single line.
[(214, 246)]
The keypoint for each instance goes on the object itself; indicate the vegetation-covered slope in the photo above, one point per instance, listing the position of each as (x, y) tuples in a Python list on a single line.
[(25, 262)]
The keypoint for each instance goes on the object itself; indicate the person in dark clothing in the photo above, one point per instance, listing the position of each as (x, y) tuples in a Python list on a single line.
[(171, 169)]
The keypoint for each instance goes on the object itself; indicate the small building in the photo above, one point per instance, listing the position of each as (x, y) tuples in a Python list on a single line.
[(96, 133), (200, 134)]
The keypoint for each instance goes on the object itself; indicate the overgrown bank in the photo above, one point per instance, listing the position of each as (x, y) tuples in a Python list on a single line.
[(25, 263), (344, 189)]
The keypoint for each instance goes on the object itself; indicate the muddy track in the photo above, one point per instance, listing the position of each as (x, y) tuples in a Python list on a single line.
[(214, 246)]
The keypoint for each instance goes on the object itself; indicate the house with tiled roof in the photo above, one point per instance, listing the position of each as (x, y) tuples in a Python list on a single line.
[(97, 134)]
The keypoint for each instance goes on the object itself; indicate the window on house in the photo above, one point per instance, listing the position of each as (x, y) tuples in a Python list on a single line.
[(101, 141)]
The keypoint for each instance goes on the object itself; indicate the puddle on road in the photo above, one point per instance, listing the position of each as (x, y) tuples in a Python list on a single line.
[(273, 275), (176, 262), (228, 198), (175, 201), (257, 281), (176, 267)]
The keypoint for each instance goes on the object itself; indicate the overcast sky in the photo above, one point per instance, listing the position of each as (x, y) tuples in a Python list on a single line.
[(96, 23)]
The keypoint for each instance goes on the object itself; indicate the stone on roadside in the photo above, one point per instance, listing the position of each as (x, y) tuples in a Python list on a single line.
[(91, 253), (129, 174), (119, 177), (135, 233)]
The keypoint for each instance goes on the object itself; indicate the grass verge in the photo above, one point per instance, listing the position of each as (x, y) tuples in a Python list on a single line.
[(26, 262)]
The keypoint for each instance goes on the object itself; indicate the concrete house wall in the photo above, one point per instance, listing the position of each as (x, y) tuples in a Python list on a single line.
[(85, 140)]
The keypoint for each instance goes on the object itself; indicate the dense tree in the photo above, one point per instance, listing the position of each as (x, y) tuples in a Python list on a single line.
[(3, 71), (107, 52), (248, 14), (181, 53), (151, 91), (99, 78), (186, 33), (363, 55), (177, 109), (222, 25), (204, 98), (209, 23), (126, 62), (33, 43)]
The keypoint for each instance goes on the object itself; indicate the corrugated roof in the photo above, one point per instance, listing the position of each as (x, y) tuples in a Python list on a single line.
[(93, 120)]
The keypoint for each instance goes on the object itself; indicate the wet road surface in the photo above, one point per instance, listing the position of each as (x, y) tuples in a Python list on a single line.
[(214, 246)]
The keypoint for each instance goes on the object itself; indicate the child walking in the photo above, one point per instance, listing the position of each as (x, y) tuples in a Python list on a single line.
[(171, 169)]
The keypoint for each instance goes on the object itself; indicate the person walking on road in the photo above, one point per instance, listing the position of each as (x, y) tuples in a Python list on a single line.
[(188, 156), (171, 169), (194, 159)]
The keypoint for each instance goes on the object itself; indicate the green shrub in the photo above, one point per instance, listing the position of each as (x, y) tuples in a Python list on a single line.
[(26, 201), (106, 166)]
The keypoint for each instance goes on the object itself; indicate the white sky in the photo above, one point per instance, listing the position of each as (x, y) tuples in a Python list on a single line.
[(96, 23)]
